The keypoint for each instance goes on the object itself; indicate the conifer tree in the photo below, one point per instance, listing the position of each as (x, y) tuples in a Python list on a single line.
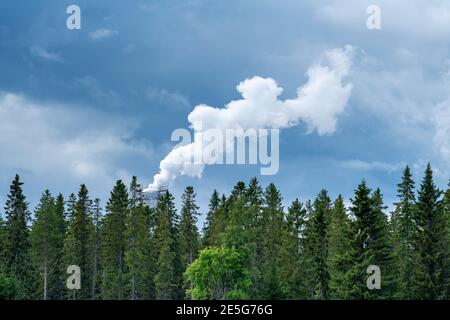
[(208, 234), (139, 250), (189, 237), (446, 209), (217, 228), (403, 229), (361, 209), (293, 239), (2, 245), (77, 245), (317, 246), (339, 250), (58, 270), (379, 249), (42, 243), (271, 244), (113, 243), (430, 241), (96, 248), (167, 278), (17, 242)]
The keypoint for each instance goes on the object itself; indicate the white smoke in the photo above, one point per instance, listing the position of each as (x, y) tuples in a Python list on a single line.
[(318, 103)]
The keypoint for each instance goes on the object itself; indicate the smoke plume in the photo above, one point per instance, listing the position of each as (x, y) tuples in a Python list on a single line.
[(318, 103)]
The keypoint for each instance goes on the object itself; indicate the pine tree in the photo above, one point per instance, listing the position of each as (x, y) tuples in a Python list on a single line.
[(403, 234), (17, 243), (339, 250), (430, 241), (167, 278), (113, 243), (139, 249), (208, 234), (77, 245)]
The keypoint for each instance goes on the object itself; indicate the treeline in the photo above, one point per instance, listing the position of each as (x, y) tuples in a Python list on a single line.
[(250, 246)]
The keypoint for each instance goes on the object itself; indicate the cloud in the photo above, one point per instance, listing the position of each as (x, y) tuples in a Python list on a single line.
[(441, 122), (318, 103), (166, 99), (102, 33), (63, 146), (42, 53), (357, 164)]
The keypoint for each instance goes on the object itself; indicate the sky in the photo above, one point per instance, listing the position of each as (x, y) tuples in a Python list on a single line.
[(99, 104)]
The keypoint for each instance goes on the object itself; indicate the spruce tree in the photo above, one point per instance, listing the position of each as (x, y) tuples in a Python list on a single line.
[(167, 278), (361, 209), (113, 243), (430, 241), (339, 250), (96, 249), (403, 229), (42, 243), (292, 246), (139, 248), (270, 282), (77, 245), (316, 246), (379, 249), (17, 242), (208, 234), (446, 209), (58, 271), (189, 236)]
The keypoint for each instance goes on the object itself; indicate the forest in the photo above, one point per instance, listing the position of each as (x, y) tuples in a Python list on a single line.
[(250, 246)]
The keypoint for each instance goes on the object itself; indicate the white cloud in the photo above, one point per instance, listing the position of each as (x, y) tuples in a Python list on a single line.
[(318, 104), (412, 18), (167, 99), (441, 121), (102, 33), (64, 146), (44, 54), (357, 164)]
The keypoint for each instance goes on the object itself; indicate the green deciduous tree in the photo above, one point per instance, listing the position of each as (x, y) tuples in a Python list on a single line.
[(219, 273)]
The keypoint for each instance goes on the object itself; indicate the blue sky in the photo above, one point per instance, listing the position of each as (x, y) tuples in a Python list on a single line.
[(98, 104)]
